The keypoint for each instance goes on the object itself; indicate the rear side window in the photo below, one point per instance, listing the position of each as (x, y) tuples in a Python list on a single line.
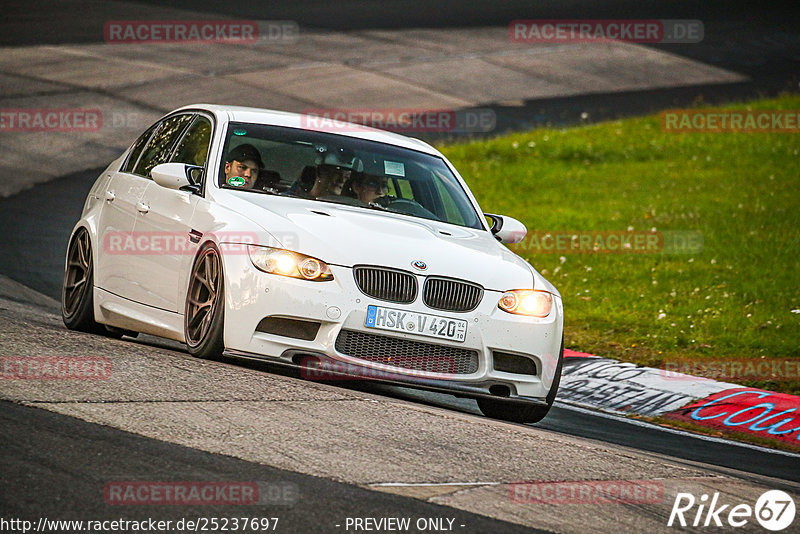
[(138, 146), (193, 147), (160, 146)]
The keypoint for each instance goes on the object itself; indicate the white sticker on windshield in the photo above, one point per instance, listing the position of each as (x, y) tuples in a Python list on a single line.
[(394, 168)]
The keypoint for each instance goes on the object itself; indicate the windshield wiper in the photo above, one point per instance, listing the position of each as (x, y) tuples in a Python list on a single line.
[(267, 191), (349, 201)]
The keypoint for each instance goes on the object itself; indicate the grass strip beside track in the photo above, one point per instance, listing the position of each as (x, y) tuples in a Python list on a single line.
[(737, 298)]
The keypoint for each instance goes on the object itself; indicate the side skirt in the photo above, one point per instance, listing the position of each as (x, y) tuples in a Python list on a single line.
[(113, 310)]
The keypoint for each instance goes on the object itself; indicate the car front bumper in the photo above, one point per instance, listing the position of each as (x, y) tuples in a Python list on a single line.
[(337, 305)]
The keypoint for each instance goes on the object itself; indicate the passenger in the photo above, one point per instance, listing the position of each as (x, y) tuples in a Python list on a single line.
[(242, 166), (370, 188), (330, 180), (303, 185), (329, 176)]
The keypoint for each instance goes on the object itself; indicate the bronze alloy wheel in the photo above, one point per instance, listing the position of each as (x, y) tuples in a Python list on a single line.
[(78, 274), (77, 291), (203, 297)]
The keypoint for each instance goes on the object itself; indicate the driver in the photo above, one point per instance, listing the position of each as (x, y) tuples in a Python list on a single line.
[(369, 188), (242, 166)]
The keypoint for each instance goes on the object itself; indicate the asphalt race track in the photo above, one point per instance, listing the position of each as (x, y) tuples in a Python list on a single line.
[(69, 460), (341, 450), (72, 459), (46, 205)]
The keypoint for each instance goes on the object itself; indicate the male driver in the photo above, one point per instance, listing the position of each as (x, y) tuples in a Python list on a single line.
[(242, 166)]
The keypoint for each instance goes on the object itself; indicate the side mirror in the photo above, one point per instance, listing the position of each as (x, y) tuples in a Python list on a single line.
[(178, 176), (507, 229)]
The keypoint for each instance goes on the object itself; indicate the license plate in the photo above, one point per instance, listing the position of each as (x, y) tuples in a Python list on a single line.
[(421, 324)]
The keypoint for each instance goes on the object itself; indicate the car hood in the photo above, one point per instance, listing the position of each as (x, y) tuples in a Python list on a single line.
[(348, 236)]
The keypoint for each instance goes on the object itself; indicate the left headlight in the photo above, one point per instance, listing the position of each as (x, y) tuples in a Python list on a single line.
[(288, 263), (526, 302)]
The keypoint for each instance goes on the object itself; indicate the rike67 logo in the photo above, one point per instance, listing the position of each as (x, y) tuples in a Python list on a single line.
[(774, 510)]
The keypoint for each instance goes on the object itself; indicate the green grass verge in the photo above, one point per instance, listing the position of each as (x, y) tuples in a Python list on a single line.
[(731, 300)]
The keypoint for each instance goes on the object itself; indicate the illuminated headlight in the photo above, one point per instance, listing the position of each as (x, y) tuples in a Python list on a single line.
[(288, 263), (526, 302)]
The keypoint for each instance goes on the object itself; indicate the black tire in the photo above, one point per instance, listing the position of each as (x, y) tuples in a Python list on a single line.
[(516, 412), (205, 303), (77, 299)]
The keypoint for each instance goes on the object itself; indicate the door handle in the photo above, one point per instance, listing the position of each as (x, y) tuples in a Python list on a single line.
[(142, 207), (110, 196)]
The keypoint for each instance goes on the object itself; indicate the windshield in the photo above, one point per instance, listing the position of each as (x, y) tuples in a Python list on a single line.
[(333, 168)]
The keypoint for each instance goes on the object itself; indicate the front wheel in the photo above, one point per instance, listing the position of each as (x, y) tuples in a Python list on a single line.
[(203, 318), (518, 413)]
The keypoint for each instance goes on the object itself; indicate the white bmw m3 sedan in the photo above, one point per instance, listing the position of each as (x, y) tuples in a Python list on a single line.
[(340, 249)]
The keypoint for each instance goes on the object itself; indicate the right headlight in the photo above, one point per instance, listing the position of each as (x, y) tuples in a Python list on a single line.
[(530, 302), (289, 263)]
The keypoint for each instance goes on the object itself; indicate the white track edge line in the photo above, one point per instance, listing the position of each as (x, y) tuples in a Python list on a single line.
[(675, 431)]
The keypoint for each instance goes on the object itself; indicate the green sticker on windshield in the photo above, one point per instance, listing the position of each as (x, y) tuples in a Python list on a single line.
[(239, 131), (236, 181)]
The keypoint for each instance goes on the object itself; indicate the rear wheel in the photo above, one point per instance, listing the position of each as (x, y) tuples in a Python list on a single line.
[(77, 300), (77, 291), (517, 412), (203, 319)]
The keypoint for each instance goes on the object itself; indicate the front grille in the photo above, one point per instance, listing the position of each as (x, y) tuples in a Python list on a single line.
[(451, 295), (386, 284), (407, 354)]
